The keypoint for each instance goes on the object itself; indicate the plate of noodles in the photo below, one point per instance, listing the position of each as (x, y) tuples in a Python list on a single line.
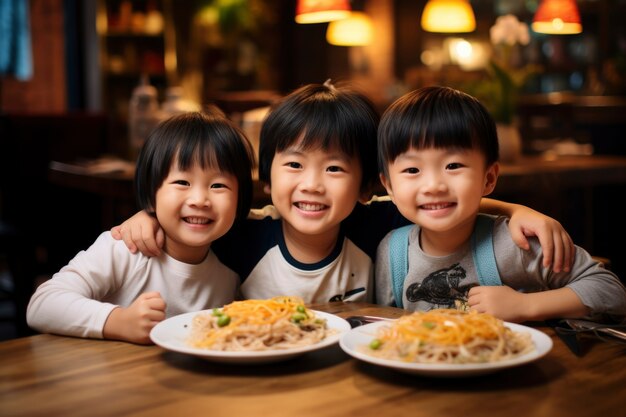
[(446, 343), (250, 331)]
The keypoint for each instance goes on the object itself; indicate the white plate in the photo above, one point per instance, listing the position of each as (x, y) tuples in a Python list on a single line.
[(171, 334), (351, 341)]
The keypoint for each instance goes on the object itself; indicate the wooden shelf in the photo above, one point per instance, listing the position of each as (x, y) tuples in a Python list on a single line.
[(128, 50)]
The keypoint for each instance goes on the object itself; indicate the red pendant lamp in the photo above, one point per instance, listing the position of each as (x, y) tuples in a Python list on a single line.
[(557, 17), (316, 11)]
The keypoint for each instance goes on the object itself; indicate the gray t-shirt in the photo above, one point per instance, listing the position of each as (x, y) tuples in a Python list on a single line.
[(438, 281)]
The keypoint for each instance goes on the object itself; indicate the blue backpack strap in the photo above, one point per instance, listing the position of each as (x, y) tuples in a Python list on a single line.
[(399, 260), (483, 252)]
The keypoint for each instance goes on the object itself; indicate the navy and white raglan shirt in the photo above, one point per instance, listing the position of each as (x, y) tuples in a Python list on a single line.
[(257, 251)]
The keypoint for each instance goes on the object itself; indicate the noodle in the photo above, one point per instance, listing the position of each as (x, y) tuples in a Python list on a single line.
[(254, 325), (449, 336)]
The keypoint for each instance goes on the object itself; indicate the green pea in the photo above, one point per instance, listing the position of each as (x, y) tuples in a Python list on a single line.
[(375, 344), (217, 312), (429, 325), (223, 320), (298, 317), (301, 309)]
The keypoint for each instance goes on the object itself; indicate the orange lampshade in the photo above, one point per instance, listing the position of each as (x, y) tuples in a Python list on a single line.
[(557, 17), (448, 16), (356, 30), (316, 11)]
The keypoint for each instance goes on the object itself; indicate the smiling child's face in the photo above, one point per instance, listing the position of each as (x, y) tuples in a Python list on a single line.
[(314, 189), (440, 189), (195, 207)]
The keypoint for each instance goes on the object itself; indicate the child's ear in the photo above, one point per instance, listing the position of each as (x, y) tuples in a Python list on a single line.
[(491, 178), (387, 184)]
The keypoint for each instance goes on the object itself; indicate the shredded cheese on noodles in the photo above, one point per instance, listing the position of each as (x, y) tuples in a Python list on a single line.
[(449, 336), (276, 323)]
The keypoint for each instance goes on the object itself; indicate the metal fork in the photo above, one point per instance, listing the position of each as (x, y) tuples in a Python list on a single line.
[(581, 326), (569, 329)]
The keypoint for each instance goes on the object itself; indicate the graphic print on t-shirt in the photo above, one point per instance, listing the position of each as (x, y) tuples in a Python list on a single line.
[(440, 288)]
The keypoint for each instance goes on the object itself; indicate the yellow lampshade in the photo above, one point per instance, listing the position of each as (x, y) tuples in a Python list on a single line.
[(557, 17), (448, 16), (316, 11), (355, 30)]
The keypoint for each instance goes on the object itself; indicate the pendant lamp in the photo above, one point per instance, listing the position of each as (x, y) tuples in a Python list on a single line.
[(356, 30), (448, 16), (316, 11), (557, 17)]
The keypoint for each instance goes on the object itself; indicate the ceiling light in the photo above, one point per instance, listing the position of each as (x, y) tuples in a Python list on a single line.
[(448, 16)]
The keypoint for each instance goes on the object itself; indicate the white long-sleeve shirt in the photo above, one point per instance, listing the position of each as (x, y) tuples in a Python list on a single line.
[(78, 299)]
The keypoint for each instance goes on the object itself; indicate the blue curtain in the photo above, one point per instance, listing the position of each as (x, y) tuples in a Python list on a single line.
[(15, 45)]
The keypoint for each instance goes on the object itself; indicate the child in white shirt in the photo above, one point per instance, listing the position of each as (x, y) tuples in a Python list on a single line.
[(194, 175)]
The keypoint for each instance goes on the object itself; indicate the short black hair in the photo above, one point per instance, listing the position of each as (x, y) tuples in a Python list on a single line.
[(435, 117), (326, 117), (206, 138)]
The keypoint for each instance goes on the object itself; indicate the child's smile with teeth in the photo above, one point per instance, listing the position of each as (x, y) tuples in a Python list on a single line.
[(310, 206), (436, 206), (196, 220)]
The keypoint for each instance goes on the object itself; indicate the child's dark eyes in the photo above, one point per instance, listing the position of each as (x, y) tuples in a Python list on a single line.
[(187, 184), (294, 165), (454, 165), (411, 170), (335, 168)]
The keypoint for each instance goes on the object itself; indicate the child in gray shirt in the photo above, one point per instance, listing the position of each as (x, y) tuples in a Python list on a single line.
[(438, 153)]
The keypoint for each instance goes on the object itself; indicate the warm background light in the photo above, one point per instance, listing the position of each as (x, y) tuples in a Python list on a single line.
[(448, 16), (355, 30), (557, 17), (316, 11)]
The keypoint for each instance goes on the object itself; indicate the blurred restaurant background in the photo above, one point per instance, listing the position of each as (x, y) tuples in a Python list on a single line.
[(83, 81)]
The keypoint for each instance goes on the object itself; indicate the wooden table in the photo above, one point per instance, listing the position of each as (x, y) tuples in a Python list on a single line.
[(580, 192), (62, 376), (115, 188), (537, 174)]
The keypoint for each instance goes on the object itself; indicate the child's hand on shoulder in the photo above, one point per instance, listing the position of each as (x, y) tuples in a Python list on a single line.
[(133, 323), (142, 233), (556, 244)]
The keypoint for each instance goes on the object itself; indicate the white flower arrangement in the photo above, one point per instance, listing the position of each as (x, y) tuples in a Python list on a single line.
[(506, 75), (509, 30)]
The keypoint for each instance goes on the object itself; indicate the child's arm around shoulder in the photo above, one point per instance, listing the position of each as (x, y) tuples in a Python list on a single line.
[(142, 233), (557, 245)]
